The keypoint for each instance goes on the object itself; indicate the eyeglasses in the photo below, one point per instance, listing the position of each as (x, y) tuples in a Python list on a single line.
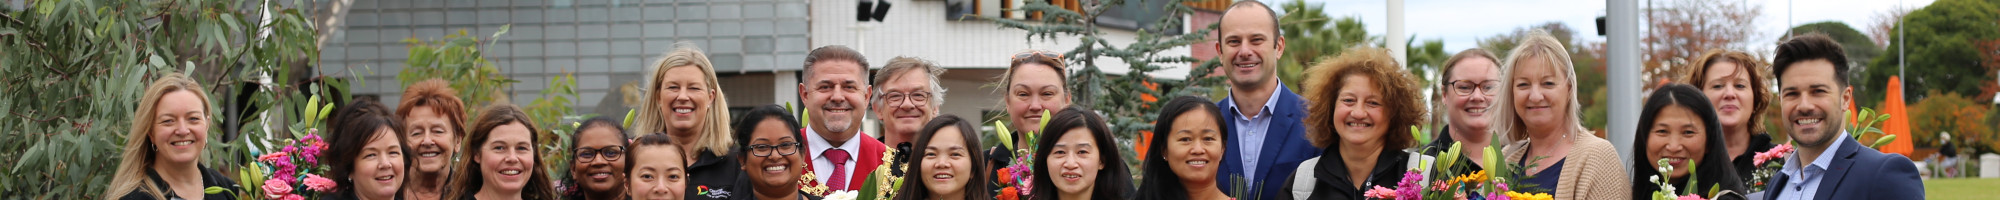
[(783, 149), (1465, 87), (913, 97), (1032, 53), (609, 153)]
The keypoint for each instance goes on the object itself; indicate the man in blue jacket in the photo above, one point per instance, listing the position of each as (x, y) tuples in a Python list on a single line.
[(1268, 139), (1812, 88)]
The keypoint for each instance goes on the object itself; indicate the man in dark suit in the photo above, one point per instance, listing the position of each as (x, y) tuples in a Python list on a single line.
[(1812, 90), (1262, 114)]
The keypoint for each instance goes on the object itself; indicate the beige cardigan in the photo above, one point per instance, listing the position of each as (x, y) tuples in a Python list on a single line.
[(1596, 174)]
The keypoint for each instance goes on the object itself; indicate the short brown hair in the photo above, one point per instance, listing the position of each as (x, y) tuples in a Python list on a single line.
[(1809, 46), (835, 53), (1760, 97), (1399, 95), (467, 179), (438, 95)]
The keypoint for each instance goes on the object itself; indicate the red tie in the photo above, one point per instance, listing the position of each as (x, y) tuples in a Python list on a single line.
[(839, 158)]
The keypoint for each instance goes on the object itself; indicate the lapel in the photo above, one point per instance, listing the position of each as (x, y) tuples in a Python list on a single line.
[(1229, 172), (1842, 161), (1776, 185), (1283, 118)]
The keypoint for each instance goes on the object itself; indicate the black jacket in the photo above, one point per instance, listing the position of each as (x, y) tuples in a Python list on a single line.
[(1331, 180), (717, 177), (209, 178)]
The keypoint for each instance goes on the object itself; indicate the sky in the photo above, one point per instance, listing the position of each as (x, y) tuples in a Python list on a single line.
[(1461, 23)]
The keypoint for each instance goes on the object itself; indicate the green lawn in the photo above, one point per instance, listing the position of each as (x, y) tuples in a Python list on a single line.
[(1961, 188)]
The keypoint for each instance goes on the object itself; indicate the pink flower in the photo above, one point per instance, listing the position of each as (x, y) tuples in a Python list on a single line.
[(274, 157), (1690, 197), (1778, 152), (276, 188), (293, 197), (316, 183), (1380, 193)]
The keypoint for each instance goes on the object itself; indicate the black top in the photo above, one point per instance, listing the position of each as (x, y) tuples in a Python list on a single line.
[(1746, 163), (1544, 181), (1442, 144), (717, 177), (1332, 180), (209, 178), (902, 158)]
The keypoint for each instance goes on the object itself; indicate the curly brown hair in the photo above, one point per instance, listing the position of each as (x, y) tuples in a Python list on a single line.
[(1760, 79), (437, 95), (1399, 95)]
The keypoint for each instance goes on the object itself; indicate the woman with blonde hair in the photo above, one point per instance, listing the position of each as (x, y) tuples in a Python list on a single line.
[(162, 156), (1739, 87), (1364, 103), (1539, 112), (684, 102), (503, 159), (1035, 81)]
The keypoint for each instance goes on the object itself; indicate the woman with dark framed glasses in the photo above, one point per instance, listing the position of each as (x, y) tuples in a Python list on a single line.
[(771, 156), (596, 170)]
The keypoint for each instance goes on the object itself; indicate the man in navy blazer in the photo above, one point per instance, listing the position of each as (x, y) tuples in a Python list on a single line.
[(1812, 89), (1262, 116)]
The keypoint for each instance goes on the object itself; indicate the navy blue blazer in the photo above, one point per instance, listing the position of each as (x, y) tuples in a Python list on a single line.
[(1283, 149), (1859, 172)]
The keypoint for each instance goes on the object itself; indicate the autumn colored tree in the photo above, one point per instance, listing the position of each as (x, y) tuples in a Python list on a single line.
[(1885, 24), (1964, 118), (1679, 30)]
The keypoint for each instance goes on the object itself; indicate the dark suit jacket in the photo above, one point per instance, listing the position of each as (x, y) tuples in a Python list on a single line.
[(1283, 149), (864, 161), (1859, 172)]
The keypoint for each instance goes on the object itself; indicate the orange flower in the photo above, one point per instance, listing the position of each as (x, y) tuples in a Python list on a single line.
[(1009, 193)]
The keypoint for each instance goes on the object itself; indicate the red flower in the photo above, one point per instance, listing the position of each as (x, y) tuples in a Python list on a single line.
[(1008, 193)]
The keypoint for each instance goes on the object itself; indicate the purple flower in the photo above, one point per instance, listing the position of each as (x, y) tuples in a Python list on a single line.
[(1408, 189)]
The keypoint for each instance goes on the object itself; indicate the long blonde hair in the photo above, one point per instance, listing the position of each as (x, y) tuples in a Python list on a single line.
[(715, 135), (137, 157), (1538, 45)]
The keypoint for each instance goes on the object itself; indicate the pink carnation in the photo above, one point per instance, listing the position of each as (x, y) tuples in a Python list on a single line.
[(276, 188), (316, 183), (274, 157), (1380, 193), (293, 197), (1690, 197)]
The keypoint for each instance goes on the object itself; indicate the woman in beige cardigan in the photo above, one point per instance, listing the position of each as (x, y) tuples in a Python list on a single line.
[(1540, 115)]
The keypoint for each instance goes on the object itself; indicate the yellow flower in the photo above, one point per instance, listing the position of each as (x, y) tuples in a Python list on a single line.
[(1527, 196), (1478, 176)]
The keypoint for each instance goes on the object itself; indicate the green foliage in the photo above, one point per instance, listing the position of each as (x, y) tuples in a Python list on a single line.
[(1865, 128), (457, 59), (1941, 51), (87, 62), (1311, 35), (1121, 97)]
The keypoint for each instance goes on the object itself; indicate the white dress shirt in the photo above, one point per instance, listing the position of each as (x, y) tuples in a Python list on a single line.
[(823, 168)]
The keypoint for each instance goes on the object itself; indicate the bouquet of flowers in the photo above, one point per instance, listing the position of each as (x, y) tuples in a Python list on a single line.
[(1667, 190), (1491, 183), (1017, 179), (293, 172), (1766, 168)]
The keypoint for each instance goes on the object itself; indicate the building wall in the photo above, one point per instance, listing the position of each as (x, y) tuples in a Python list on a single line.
[(919, 28), (605, 43)]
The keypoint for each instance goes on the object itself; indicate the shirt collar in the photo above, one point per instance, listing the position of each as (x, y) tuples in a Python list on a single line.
[(819, 145), (1269, 103), (1824, 159)]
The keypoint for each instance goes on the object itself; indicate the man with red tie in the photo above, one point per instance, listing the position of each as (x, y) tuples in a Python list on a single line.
[(835, 95)]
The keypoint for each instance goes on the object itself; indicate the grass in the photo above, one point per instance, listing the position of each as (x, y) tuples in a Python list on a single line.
[(1960, 188)]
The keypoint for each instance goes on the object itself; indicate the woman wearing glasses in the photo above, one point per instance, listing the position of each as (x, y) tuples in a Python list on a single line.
[(1035, 81), (773, 162), (1470, 78), (595, 171)]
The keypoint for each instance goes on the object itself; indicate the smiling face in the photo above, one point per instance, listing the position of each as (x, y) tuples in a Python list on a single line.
[(903, 117), (685, 97), (432, 138), (777, 170), (1036, 88), (835, 93), (1469, 110), (1196, 141), (180, 128), (1729, 88), (1679, 136), (1074, 162), (1811, 97), (600, 173), (659, 173), (507, 157), (1541, 95), (1358, 114), (1250, 46), (379, 168), (947, 163)]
